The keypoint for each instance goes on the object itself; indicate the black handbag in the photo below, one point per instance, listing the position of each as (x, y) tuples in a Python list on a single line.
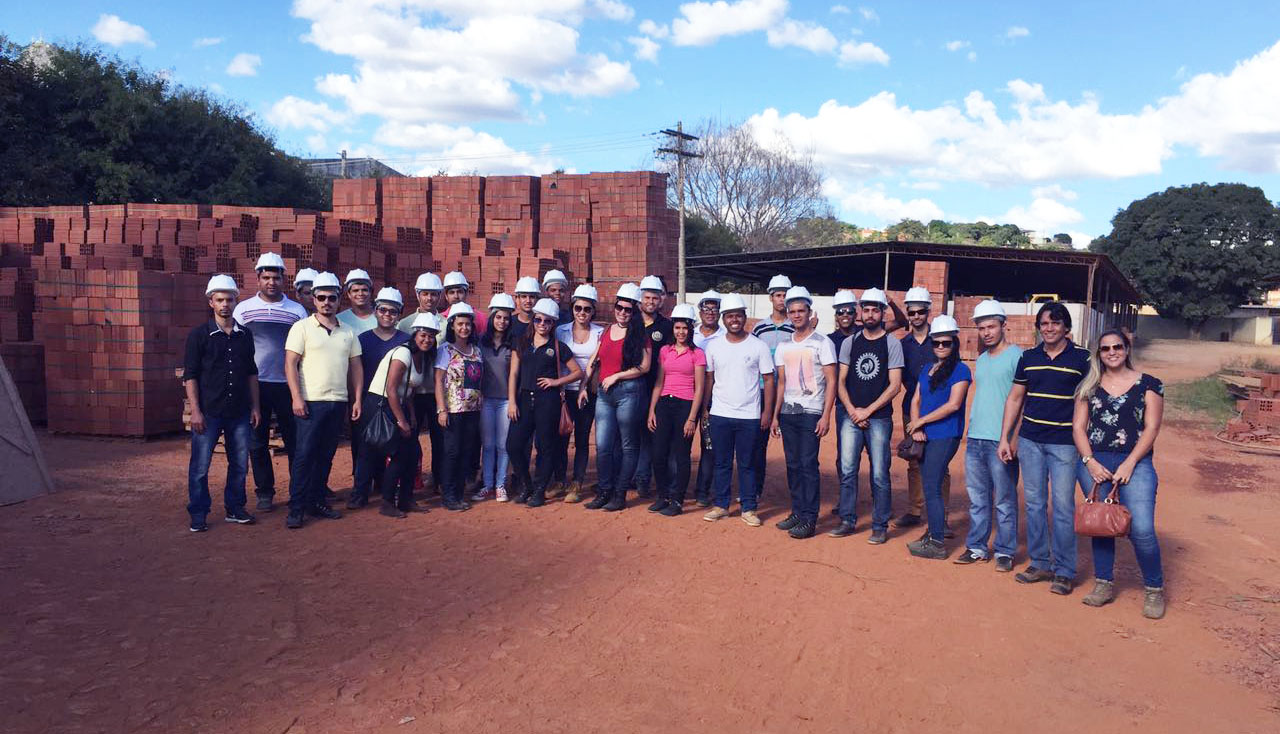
[(910, 449), (380, 431)]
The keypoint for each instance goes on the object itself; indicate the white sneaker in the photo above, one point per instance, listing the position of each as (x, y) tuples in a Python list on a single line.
[(715, 513), (751, 518), (481, 495), (502, 494)]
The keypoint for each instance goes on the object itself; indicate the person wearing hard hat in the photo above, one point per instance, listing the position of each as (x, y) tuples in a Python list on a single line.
[(456, 290), (269, 314), (374, 345), (806, 372), (540, 368), (772, 331), (674, 408), (657, 328), (429, 292), (845, 305), (936, 417), (582, 337), (870, 378), (359, 288), (739, 397), (709, 328), (302, 287), (459, 380), (496, 345), (556, 286), (527, 293), (917, 353), (326, 381), (991, 482), (220, 376), (1043, 393)]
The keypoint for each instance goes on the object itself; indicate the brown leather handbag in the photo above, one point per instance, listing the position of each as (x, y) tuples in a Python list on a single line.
[(910, 449), (1102, 519), (566, 421)]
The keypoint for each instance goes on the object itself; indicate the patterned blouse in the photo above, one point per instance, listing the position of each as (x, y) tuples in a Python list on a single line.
[(463, 378), (1116, 421)]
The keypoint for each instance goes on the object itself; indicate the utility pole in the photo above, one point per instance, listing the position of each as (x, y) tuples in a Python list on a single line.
[(344, 164), (680, 153)]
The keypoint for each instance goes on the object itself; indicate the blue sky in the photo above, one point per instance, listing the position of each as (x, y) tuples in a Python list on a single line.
[(1052, 118)]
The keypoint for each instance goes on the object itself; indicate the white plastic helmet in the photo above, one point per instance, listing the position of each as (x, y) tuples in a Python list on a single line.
[(844, 298), (269, 260), (586, 292), (359, 276), (987, 309), (710, 295), (502, 300), (629, 292), (389, 295), (916, 294), (222, 283), (779, 283), (943, 324), (455, 279), (528, 285), (428, 282), (684, 311), (427, 321), (461, 309), (874, 295), (554, 276), (325, 280), (732, 302), (548, 308), (306, 275), (799, 293), (652, 283)]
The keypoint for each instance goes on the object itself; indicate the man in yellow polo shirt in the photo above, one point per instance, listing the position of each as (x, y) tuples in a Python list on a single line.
[(322, 367)]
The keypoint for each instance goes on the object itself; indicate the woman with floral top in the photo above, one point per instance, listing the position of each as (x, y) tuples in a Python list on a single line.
[(459, 384), (1117, 419)]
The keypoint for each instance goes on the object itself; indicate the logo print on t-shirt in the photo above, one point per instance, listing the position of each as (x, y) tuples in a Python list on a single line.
[(868, 366)]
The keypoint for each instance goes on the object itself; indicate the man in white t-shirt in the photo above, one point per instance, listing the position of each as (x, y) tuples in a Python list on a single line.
[(739, 370), (806, 365)]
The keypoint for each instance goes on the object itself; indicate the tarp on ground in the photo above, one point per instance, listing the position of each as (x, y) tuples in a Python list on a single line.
[(23, 474)]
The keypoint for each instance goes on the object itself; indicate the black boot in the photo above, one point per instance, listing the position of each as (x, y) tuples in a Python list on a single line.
[(601, 499), (617, 500), (538, 497)]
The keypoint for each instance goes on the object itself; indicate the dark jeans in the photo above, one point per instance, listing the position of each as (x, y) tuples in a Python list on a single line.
[(275, 400), (800, 446), (540, 421), (461, 441), (938, 453), (759, 454), (582, 419), (669, 444), (370, 464), (706, 471), (397, 480), (317, 440), (424, 408), (237, 432), (735, 437)]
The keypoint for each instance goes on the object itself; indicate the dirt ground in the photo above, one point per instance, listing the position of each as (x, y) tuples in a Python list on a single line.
[(117, 619)]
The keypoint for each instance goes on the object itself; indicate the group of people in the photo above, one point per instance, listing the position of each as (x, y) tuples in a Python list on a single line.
[(543, 368)]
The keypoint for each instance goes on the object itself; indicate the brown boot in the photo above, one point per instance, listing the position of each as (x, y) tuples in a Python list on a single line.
[(575, 493), (1104, 592), (1153, 602), (556, 489)]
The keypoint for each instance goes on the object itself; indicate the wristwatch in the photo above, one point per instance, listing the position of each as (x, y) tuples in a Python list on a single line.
[(1085, 460)]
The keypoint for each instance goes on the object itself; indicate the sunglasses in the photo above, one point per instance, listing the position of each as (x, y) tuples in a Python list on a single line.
[(709, 308), (943, 343), (918, 312), (388, 311), (623, 309), (543, 321), (1104, 348), (583, 309), (844, 312), (325, 299), (304, 291)]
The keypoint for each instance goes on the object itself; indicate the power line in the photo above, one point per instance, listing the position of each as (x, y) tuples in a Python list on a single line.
[(680, 137)]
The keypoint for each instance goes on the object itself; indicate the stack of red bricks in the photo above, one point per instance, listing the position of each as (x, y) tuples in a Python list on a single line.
[(25, 362), (405, 215)]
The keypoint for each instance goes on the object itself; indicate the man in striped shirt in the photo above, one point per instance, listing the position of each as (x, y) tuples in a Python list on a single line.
[(1044, 385)]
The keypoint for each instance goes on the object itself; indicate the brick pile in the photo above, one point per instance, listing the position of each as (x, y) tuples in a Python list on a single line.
[(25, 362)]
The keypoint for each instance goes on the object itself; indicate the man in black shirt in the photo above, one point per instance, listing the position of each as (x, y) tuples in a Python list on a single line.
[(221, 380), (653, 293)]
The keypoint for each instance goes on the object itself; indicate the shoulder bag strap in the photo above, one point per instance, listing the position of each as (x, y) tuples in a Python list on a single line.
[(558, 363)]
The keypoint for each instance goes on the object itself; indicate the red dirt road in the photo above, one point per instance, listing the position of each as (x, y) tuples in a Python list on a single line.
[(117, 619)]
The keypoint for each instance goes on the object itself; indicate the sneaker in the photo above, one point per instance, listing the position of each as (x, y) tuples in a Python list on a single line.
[(199, 526), (501, 493), (536, 499), (293, 521), (751, 518), (843, 530), (1061, 585), (703, 502), (968, 557), (878, 537), (928, 548), (617, 502), (1104, 592), (715, 513), (414, 507), (672, 509), (908, 520), (802, 530), (265, 504), (326, 512), (601, 499), (659, 506), (355, 502), (789, 522), (452, 506), (481, 495), (557, 489), (1033, 575), (1153, 602), (574, 495), (240, 517), (391, 510), (1004, 564)]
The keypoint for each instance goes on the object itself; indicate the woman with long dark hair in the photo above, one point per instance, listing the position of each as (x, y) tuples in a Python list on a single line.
[(459, 379), (398, 374), (495, 349), (1117, 418), (622, 358), (582, 337), (937, 419), (674, 408)]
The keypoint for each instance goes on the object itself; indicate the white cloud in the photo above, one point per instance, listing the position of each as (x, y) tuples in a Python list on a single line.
[(294, 112), (955, 45), (841, 9), (653, 30), (806, 35), (853, 53), (1026, 93), (703, 23), (205, 42), (646, 48), (972, 56), (1017, 31), (872, 202), (1044, 215), (459, 149), (1054, 191), (113, 31), (244, 65), (924, 185), (613, 10), (316, 145), (869, 15)]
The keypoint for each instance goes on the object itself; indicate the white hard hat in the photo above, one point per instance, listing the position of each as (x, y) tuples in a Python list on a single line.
[(428, 282), (390, 295), (799, 293), (874, 295), (988, 308), (844, 298), (586, 292), (652, 283), (528, 285), (502, 300), (732, 302), (629, 292), (684, 311), (917, 294), (461, 309), (358, 276), (427, 321), (710, 295), (779, 283), (222, 283), (306, 275), (269, 260), (554, 276), (943, 324), (326, 280), (455, 279), (548, 308)]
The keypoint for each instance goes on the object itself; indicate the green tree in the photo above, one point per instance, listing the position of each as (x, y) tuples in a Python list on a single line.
[(820, 232), (703, 238), (1062, 238), (1196, 252), (911, 230)]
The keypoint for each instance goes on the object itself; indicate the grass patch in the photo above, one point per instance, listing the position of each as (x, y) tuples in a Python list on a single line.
[(1252, 363), (1206, 396)]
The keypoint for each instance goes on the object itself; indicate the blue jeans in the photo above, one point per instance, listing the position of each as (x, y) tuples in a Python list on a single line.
[(938, 453), (1139, 496), (493, 440), (800, 447), (989, 479), (735, 437), (840, 416), (317, 438), (619, 411), (876, 438), (1046, 466), (238, 434)]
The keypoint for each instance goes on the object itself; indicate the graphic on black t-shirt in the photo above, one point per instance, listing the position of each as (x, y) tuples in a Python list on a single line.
[(868, 366)]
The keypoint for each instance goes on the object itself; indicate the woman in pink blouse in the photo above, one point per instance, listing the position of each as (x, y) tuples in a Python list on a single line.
[(673, 410)]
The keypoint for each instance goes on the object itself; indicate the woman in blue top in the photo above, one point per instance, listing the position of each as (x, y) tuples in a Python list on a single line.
[(937, 419)]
